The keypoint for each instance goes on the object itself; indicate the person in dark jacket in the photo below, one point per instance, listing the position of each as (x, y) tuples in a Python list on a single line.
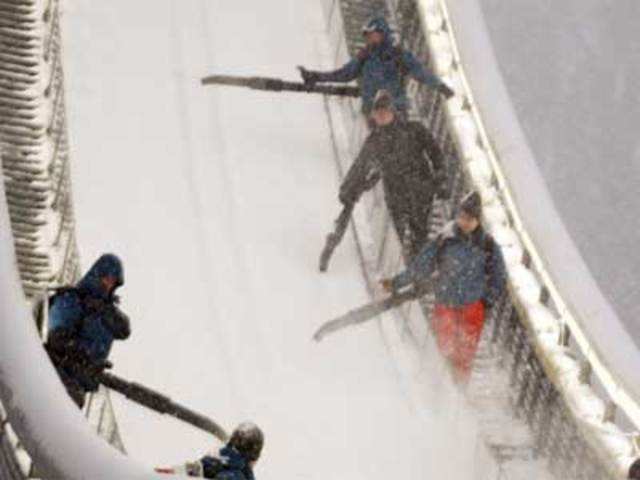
[(380, 65), (234, 461), (634, 470), (470, 278), (412, 167), (84, 320)]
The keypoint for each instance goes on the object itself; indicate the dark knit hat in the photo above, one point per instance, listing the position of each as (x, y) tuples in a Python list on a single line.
[(376, 24), (248, 439), (383, 101), (471, 204)]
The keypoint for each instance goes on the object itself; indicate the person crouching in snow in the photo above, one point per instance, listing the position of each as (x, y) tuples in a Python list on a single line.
[(84, 320), (470, 279), (234, 461)]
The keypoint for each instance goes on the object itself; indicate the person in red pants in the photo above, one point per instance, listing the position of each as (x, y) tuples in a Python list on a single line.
[(469, 278)]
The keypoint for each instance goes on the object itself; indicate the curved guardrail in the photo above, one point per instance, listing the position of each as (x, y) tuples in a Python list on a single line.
[(35, 167), (559, 387)]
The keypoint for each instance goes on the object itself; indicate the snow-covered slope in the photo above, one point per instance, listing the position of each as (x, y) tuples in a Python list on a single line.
[(218, 201)]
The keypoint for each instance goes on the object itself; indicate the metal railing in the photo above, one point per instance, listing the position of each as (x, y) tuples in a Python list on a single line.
[(35, 168), (572, 426)]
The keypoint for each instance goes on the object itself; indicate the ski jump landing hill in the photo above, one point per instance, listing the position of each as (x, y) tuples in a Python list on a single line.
[(570, 385)]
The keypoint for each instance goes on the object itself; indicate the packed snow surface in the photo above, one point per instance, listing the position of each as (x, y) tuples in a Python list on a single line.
[(218, 201), (571, 69)]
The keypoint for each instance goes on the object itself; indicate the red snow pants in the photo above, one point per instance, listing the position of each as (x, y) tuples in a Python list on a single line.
[(458, 331)]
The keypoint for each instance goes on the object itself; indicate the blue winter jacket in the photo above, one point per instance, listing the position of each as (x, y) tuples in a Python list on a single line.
[(382, 68), (228, 465), (469, 268), (80, 312)]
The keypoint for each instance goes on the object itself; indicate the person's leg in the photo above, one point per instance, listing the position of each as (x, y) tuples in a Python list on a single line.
[(470, 327), (401, 218), (443, 324), (74, 389), (419, 225)]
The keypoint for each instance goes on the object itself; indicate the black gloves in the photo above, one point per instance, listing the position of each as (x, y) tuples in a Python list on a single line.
[(387, 285), (309, 77), (105, 365), (116, 321), (346, 197), (445, 91), (352, 188)]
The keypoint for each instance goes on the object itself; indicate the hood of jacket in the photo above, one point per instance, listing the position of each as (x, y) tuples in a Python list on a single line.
[(380, 24), (107, 265)]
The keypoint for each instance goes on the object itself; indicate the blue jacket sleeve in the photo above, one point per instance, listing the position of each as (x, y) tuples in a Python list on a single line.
[(418, 71), (420, 268), (497, 276), (66, 312), (348, 72)]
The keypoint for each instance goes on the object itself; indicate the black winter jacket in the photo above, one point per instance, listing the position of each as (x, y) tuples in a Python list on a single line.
[(407, 158)]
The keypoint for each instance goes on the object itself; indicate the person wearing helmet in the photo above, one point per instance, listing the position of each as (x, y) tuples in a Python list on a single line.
[(380, 65), (234, 461), (412, 167), (83, 322), (470, 277)]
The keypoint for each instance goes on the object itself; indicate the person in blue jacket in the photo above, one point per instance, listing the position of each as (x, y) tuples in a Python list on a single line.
[(234, 461), (84, 320), (380, 65), (470, 279)]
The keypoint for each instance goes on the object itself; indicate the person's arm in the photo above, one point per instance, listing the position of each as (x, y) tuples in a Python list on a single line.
[(427, 144), (361, 176), (117, 322), (496, 275), (421, 74), (419, 269), (190, 469), (64, 318), (348, 72)]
